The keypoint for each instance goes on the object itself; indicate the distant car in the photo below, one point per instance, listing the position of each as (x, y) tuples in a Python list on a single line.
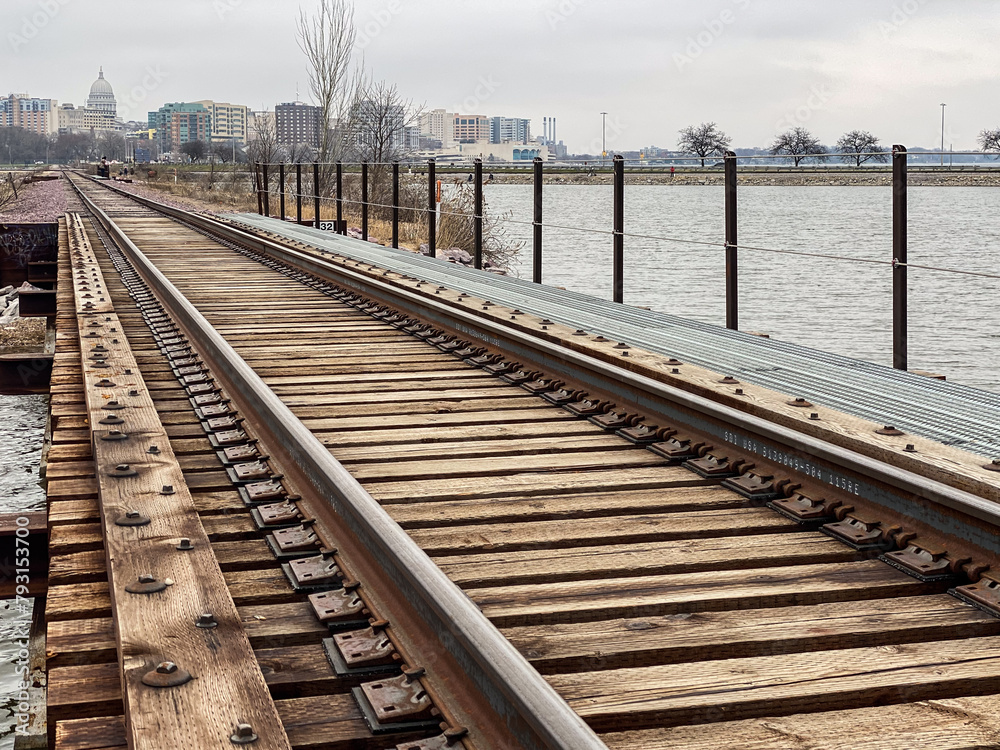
[(39, 162), (718, 164)]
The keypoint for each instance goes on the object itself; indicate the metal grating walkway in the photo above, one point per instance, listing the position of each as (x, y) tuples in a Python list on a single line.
[(947, 412)]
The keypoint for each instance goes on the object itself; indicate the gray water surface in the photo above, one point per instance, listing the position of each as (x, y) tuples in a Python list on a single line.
[(22, 427), (833, 305)]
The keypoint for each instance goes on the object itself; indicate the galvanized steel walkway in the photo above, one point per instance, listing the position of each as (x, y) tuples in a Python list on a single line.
[(950, 413)]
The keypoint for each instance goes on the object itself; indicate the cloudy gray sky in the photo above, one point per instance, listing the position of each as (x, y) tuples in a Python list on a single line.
[(753, 66)]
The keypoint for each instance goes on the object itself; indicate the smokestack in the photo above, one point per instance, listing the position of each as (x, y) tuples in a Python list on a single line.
[(545, 128), (554, 131)]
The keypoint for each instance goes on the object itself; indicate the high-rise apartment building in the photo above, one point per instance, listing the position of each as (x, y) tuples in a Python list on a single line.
[(438, 125), (228, 121), (22, 111), (510, 130), (180, 122), (297, 123), (472, 129)]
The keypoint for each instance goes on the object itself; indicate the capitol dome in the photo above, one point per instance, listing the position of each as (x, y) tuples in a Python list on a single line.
[(102, 96)]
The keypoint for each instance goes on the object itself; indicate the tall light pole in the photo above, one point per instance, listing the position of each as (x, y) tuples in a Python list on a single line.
[(604, 137), (942, 133)]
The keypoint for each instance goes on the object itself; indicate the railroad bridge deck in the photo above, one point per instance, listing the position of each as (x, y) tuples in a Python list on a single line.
[(510, 505)]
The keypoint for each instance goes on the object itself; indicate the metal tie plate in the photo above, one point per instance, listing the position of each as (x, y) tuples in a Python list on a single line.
[(711, 467), (340, 608), (276, 515), (395, 704), (925, 565), (752, 486), (856, 533), (259, 493), (227, 438), (356, 652), (640, 434), (803, 509), (984, 594)]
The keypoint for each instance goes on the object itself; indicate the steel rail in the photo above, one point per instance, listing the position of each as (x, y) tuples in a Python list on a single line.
[(902, 491), (532, 709)]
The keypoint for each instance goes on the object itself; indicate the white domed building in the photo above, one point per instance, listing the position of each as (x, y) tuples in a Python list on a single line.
[(102, 96)]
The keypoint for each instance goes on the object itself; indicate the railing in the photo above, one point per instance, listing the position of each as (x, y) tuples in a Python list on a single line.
[(899, 169)]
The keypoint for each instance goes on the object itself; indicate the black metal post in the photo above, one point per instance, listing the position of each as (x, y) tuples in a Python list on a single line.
[(256, 185), (477, 219), (364, 200), (298, 193), (316, 193), (732, 252), (899, 245), (537, 244), (267, 194), (281, 187), (395, 204), (618, 262), (431, 210), (340, 199)]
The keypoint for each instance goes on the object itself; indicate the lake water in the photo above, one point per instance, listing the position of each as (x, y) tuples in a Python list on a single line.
[(833, 305), (22, 427)]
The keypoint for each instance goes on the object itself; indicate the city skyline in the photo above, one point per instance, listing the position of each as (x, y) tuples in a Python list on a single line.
[(886, 68)]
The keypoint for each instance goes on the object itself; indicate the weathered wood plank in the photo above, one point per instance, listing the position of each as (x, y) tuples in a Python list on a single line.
[(774, 685)]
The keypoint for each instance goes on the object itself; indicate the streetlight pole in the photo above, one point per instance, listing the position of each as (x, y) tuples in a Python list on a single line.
[(604, 137), (942, 133)]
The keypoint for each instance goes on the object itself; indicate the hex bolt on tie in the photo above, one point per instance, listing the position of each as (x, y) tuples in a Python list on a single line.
[(154, 450), (146, 584), (132, 518), (244, 735), (994, 465), (206, 621), (122, 470), (166, 674), (168, 489), (185, 545)]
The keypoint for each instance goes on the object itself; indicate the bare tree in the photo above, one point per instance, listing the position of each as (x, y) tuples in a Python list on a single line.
[(301, 153), (798, 144), (381, 124), (194, 150), (112, 145), (262, 138), (989, 140), (860, 146), (327, 40), (704, 140)]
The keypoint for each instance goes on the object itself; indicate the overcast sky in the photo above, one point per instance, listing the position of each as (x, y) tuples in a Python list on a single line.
[(753, 66)]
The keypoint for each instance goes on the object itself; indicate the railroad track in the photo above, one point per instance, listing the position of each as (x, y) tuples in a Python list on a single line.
[(637, 564)]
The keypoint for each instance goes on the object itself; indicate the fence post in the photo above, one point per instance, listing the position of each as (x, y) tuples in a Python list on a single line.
[(267, 193), (256, 187), (395, 204), (618, 262), (537, 244), (477, 219), (732, 252), (281, 183), (340, 198), (316, 220), (899, 247), (364, 200), (431, 210), (298, 192)]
